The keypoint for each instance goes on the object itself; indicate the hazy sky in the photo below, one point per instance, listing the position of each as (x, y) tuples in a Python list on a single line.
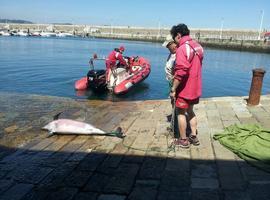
[(243, 14)]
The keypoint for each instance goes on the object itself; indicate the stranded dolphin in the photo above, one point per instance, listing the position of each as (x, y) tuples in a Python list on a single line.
[(68, 126)]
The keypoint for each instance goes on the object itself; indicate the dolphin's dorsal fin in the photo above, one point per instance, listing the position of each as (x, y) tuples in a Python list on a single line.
[(55, 117)]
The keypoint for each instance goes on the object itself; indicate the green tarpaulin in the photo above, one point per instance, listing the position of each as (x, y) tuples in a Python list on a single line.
[(249, 142)]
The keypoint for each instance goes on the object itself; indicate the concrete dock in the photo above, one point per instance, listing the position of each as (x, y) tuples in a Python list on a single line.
[(140, 166)]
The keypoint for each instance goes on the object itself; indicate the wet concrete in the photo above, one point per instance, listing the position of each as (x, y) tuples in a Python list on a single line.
[(23, 116)]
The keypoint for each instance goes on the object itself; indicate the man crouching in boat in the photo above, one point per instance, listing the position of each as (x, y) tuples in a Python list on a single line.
[(111, 60)]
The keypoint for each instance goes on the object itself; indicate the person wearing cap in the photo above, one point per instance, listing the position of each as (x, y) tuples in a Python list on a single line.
[(169, 72), (187, 82), (169, 67), (113, 57)]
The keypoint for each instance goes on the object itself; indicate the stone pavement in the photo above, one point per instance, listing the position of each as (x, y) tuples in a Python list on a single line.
[(137, 167)]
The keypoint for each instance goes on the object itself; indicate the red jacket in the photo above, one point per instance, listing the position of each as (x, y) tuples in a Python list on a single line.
[(113, 57), (188, 68)]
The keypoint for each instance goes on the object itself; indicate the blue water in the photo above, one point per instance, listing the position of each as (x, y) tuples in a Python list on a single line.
[(50, 66)]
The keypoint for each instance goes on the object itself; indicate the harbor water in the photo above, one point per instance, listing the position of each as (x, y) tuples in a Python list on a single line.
[(50, 66)]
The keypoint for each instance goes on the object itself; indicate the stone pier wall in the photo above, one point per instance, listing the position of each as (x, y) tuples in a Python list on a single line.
[(228, 39)]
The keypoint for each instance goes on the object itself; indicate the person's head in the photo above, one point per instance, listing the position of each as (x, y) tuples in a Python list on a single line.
[(172, 46), (121, 49), (179, 31)]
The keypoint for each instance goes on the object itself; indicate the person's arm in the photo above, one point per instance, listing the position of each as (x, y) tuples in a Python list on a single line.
[(121, 59), (181, 70), (176, 83), (169, 67)]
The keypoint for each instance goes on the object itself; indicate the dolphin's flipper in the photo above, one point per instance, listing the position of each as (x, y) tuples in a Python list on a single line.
[(50, 134), (117, 133)]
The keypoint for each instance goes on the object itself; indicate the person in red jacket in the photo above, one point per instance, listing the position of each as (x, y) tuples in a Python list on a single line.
[(113, 57), (187, 82)]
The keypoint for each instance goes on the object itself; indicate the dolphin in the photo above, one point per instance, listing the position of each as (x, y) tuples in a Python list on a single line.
[(68, 126)]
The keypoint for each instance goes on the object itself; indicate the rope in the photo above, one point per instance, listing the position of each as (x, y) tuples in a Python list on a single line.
[(172, 119)]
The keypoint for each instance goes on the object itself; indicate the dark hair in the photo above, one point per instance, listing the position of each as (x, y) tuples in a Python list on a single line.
[(182, 29)]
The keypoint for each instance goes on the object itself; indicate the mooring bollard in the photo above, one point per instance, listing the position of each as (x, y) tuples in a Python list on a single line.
[(256, 87)]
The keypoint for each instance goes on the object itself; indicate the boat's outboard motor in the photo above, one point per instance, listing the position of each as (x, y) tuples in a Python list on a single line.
[(97, 79)]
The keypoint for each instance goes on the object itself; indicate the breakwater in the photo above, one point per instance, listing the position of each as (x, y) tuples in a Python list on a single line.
[(244, 40)]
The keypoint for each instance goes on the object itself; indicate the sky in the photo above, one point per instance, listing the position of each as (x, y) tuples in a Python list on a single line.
[(231, 14)]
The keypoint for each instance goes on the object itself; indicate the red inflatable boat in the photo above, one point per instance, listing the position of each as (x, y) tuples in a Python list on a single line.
[(120, 79)]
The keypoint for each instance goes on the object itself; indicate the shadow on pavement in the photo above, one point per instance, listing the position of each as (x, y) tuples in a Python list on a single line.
[(76, 171)]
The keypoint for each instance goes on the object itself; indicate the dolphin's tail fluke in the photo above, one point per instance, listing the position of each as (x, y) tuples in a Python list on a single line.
[(118, 133)]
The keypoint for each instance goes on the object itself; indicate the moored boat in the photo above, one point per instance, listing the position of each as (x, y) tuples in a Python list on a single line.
[(47, 34), (3, 33), (22, 33), (63, 34)]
